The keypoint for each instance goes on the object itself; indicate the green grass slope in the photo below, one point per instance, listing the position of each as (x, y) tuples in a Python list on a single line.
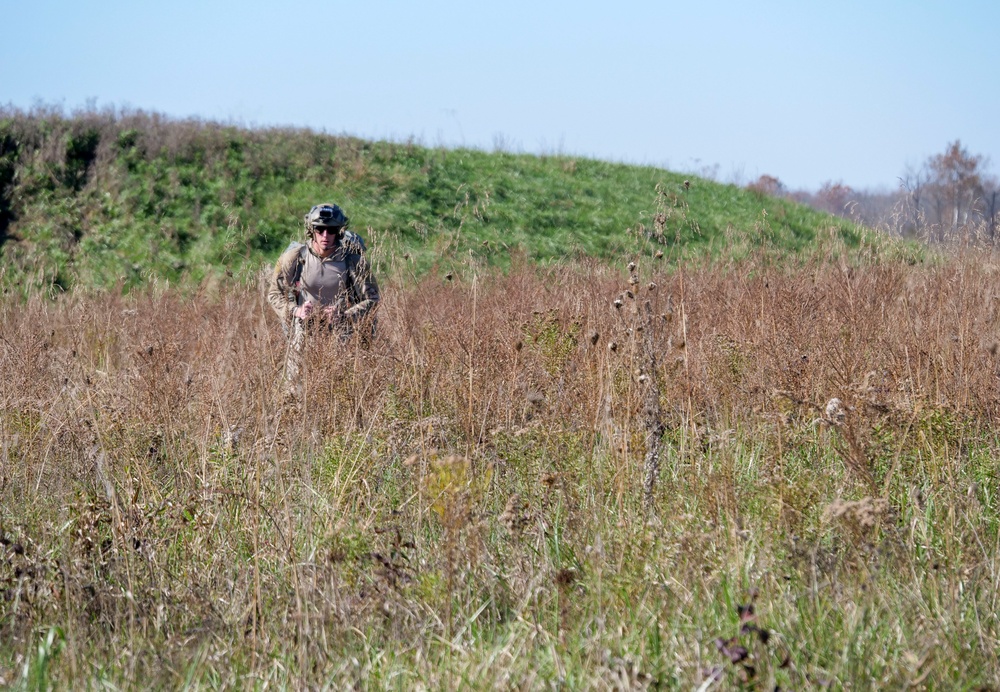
[(123, 199)]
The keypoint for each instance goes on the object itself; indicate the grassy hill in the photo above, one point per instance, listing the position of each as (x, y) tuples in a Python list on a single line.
[(105, 199)]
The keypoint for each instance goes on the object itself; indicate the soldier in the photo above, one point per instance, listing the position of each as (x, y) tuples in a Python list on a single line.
[(324, 285)]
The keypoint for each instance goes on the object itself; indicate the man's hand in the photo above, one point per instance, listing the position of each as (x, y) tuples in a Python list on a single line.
[(303, 311), (332, 313)]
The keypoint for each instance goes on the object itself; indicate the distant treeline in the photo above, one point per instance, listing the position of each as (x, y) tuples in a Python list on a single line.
[(951, 195)]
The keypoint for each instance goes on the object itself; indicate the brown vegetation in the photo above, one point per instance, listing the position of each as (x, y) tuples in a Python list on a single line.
[(461, 503)]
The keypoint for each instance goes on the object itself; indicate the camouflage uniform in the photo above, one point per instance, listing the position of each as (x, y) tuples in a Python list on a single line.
[(340, 286)]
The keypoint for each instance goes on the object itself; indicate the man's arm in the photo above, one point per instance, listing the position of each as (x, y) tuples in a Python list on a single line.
[(366, 294), (280, 292)]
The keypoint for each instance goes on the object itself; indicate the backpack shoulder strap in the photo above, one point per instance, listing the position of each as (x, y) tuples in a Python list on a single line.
[(354, 246), (300, 260)]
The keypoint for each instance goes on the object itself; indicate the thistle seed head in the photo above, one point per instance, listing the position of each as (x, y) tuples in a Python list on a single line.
[(835, 412)]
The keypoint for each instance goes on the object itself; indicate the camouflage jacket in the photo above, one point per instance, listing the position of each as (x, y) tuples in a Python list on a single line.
[(343, 280)]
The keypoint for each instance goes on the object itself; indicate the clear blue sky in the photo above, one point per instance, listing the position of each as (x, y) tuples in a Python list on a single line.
[(850, 91)]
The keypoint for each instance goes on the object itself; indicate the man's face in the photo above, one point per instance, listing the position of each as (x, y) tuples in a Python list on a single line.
[(324, 239)]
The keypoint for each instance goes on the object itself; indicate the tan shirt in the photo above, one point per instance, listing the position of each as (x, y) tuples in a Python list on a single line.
[(323, 280), (343, 279)]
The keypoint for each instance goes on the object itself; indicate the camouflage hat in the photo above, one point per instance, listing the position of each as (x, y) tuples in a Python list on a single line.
[(325, 216)]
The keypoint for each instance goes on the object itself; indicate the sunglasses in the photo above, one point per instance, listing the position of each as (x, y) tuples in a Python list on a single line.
[(332, 230)]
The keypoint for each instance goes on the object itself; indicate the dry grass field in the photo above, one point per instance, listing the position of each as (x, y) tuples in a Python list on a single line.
[(726, 476)]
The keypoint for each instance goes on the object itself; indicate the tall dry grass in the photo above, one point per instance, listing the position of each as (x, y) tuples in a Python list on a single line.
[(461, 502)]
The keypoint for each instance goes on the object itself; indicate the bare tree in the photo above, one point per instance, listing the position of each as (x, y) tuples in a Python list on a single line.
[(914, 183), (767, 185), (990, 200), (834, 198), (956, 177)]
